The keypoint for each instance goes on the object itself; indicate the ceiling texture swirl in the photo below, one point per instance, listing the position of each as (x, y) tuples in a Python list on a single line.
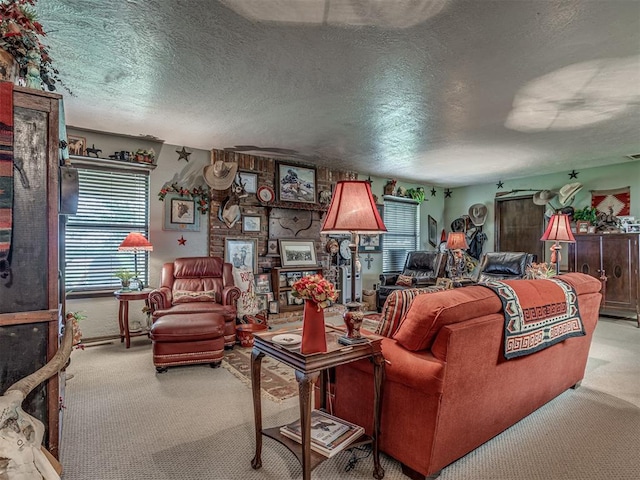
[(439, 92)]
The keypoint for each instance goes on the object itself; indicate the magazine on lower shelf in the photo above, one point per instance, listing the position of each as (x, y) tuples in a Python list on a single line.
[(329, 434)]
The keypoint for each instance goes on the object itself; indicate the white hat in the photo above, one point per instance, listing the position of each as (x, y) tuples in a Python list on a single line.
[(543, 197), (229, 211), (478, 214), (568, 191), (220, 175)]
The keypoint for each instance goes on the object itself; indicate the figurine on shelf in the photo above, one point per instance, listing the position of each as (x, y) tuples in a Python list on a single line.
[(93, 150), (390, 187)]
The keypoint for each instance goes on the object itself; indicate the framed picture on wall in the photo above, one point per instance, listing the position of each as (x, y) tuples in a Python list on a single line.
[(433, 231), (251, 223), (248, 180), (180, 214), (298, 253), (242, 253), (296, 184)]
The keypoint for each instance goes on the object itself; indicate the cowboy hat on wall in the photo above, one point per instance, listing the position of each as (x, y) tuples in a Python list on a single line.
[(220, 175), (478, 214)]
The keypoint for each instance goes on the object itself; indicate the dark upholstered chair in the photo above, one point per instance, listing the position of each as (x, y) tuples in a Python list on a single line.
[(197, 285), (423, 266), (503, 265)]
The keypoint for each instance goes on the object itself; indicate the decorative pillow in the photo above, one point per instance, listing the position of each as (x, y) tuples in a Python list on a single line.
[(395, 307), (404, 281), (186, 296)]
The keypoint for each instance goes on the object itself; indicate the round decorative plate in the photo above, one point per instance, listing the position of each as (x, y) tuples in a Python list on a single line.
[(266, 194), (287, 339)]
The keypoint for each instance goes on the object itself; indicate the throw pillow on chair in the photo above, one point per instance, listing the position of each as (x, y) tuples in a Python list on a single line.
[(404, 281)]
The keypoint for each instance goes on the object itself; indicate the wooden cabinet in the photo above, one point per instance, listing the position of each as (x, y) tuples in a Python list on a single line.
[(30, 305), (282, 279), (615, 256)]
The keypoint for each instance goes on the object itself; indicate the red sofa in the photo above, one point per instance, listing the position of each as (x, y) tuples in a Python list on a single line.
[(453, 389)]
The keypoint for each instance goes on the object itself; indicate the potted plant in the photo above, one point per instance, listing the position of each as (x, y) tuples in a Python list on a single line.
[(586, 214), (20, 35), (125, 277)]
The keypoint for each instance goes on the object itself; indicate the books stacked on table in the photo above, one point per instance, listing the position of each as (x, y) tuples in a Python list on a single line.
[(329, 434)]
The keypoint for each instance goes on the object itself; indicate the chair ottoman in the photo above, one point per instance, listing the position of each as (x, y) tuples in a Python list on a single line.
[(188, 339)]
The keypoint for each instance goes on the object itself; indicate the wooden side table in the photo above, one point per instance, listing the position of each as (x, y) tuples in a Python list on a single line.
[(124, 297), (308, 368)]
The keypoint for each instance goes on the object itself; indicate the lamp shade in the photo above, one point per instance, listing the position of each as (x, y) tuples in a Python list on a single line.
[(559, 229), (457, 241), (135, 242), (353, 209)]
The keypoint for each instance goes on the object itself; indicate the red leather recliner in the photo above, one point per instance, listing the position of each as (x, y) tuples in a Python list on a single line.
[(185, 285)]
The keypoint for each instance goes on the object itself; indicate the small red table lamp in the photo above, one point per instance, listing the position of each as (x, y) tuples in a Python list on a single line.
[(558, 230), (353, 210), (136, 242)]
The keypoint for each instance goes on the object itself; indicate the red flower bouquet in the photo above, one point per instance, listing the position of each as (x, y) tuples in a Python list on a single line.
[(317, 289)]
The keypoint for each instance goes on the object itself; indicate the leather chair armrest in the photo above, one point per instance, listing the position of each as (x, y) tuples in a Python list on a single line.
[(424, 281), (388, 278), (160, 299), (230, 295)]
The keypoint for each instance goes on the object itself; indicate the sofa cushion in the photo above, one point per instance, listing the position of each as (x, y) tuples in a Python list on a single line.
[(186, 296), (428, 313), (583, 284), (404, 280), (396, 306)]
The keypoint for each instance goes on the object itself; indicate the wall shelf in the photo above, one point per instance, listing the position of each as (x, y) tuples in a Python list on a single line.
[(109, 162)]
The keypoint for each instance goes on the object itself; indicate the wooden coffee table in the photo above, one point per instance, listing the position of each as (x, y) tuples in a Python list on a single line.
[(308, 369)]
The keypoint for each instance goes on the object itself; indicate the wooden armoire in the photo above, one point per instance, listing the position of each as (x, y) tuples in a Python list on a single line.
[(31, 303), (616, 256)]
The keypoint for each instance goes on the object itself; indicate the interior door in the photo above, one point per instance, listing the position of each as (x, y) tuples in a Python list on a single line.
[(519, 225)]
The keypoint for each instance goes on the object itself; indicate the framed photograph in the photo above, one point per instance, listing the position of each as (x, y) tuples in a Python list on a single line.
[(262, 302), (293, 277), (296, 184), (433, 231), (298, 253), (242, 253), (291, 300), (274, 306), (248, 180), (180, 214), (263, 282), (77, 145), (251, 223), (632, 228), (582, 227), (370, 243), (182, 210), (272, 248)]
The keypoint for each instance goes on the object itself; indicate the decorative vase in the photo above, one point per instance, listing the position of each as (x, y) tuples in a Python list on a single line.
[(8, 67), (314, 339), (353, 320)]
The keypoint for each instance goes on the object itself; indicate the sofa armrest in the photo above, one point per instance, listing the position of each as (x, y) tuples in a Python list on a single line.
[(388, 278), (230, 295), (160, 299)]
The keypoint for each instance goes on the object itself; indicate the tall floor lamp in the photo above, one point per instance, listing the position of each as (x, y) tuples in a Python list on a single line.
[(353, 210), (136, 242), (558, 230)]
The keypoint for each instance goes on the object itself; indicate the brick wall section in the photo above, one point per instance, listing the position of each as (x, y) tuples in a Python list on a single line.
[(266, 169)]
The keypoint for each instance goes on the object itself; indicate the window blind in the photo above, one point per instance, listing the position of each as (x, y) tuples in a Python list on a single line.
[(402, 220), (111, 204)]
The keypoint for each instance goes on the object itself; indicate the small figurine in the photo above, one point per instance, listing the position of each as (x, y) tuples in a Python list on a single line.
[(33, 70)]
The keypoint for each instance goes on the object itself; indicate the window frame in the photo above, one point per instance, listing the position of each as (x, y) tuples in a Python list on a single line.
[(110, 233), (394, 237)]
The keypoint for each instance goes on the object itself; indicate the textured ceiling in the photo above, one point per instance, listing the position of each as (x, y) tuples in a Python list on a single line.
[(441, 92)]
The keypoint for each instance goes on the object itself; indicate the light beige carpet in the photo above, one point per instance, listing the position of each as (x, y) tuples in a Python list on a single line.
[(123, 421)]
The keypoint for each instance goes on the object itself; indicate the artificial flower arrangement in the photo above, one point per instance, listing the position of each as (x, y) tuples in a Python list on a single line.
[(20, 35), (200, 195), (315, 288), (539, 271)]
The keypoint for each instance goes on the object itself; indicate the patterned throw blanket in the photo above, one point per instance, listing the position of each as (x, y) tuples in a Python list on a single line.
[(548, 314), (6, 179)]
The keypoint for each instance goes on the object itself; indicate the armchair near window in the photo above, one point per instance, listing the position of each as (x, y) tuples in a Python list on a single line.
[(197, 285), (503, 266), (421, 268)]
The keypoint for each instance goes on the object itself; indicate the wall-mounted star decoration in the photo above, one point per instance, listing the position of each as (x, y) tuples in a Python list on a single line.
[(573, 174), (433, 192), (447, 193), (183, 154), (182, 240), (500, 184)]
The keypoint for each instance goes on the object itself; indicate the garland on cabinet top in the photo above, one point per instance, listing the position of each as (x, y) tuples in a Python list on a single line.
[(199, 195)]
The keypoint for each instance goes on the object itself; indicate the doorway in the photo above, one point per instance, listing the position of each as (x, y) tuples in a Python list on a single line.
[(519, 225)]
